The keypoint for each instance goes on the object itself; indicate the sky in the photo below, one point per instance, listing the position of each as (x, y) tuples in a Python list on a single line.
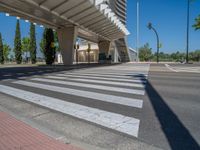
[(169, 19), (167, 16), (7, 29)]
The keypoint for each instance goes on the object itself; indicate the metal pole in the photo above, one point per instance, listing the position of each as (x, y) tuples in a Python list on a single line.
[(158, 43), (187, 38), (76, 56), (138, 20)]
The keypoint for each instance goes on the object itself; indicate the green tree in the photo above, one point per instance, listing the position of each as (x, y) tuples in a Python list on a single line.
[(26, 46), (6, 51), (178, 56), (42, 46), (1, 50), (195, 55), (56, 43), (145, 53), (49, 46), (43, 43), (32, 43), (17, 44), (197, 25)]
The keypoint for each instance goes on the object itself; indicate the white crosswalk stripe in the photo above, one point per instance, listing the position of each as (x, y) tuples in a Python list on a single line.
[(93, 95), (106, 75), (103, 78), (100, 87), (101, 82), (114, 121), (97, 86), (114, 74)]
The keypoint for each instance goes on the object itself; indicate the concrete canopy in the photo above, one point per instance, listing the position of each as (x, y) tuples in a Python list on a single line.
[(94, 19)]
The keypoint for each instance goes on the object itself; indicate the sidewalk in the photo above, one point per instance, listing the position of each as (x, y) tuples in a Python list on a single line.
[(16, 135)]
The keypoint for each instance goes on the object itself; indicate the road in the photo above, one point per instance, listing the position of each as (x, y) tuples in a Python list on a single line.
[(126, 106)]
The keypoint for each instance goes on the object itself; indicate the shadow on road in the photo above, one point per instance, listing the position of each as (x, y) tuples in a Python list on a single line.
[(19, 72), (178, 136)]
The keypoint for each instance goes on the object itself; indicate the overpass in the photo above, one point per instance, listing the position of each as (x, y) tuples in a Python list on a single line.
[(93, 20)]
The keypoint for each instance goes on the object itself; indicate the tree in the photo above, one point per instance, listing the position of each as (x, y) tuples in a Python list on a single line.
[(43, 43), (17, 44), (49, 46), (1, 50), (56, 43), (26, 46), (145, 53), (42, 46), (195, 55), (6, 51), (178, 56), (197, 25), (32, 43)]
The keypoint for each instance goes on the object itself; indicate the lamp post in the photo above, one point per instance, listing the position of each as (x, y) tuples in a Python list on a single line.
[(88, 50), (158, 43), (76, 47)]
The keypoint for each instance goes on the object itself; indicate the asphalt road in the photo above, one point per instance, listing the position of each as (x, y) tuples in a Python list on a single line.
[(159, 113), (171, 115)]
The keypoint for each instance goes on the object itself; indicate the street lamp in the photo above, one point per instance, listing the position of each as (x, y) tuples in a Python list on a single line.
[(158, 44), (76, 47), (88, 50)]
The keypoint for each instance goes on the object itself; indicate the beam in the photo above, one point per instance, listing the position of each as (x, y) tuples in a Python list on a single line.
[(63, 13), (59, 5), (86, 16), (80, 12)]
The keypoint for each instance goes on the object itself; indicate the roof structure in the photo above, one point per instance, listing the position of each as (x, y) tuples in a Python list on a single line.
[(94, 18)]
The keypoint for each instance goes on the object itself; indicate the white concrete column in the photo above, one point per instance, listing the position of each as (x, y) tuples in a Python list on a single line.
[(104, 47), (67, 38)]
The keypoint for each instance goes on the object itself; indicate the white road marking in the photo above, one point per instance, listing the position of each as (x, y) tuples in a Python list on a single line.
[(102, 78), (170, 68), (113, 74), (108, 72), (92, 95), (101, 82), (107, 75), (184, 69), (100, 87), (120, 123)]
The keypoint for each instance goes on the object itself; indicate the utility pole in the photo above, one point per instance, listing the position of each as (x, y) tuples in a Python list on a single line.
[(187, 36), (138, 28)]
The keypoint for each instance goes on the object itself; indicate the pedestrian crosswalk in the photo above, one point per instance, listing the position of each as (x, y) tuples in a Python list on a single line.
[(101, 78), (121, 85), (189, 69), (100, 81), (94, 86)]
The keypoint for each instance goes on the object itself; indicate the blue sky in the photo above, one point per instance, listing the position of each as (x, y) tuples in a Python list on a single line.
[(7, 29), (167, 16)]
